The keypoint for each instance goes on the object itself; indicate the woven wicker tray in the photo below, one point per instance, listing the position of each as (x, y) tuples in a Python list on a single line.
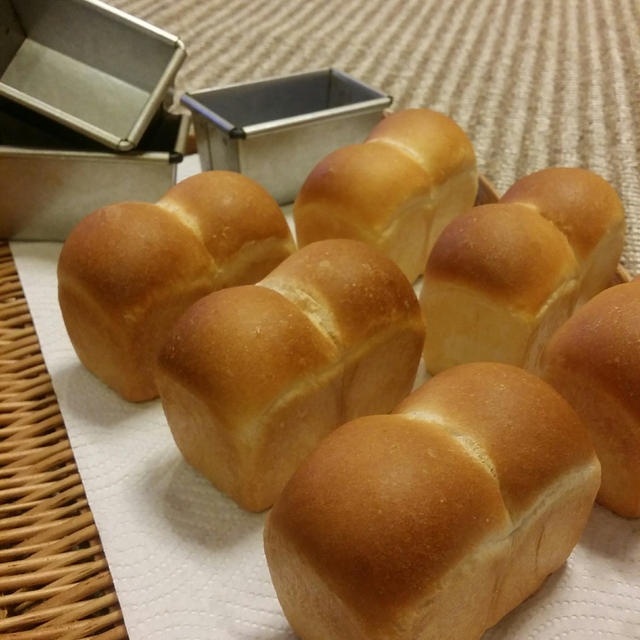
[(54, 578)]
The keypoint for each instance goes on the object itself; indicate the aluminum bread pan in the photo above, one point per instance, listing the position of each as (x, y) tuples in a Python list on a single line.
[(276, 130), (87, 66), (51, 177)]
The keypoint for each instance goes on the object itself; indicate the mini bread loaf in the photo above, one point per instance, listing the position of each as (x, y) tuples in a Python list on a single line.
[(251, 378), (433, 522), (128, 270), (502, 277), (594, 361), (415, 172)]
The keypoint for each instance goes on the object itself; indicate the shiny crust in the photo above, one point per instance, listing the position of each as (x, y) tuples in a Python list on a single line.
[(243, 210), (335, 331), (528, 433), (351, 284), (594, 361), (503, 277), (125, 274), (506, 252), (109, 252), (339, 186), (583, 205), (419, 525), (587, 209), (128, 270), (435, 141), (220, 346), (414, 173), (376, 522)]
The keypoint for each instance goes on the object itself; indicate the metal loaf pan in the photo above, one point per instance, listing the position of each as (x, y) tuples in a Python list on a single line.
[(87, 66), (276, 130), (51, 177)]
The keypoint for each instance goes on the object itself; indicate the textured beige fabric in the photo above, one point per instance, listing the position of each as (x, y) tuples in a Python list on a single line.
[(535, 83)]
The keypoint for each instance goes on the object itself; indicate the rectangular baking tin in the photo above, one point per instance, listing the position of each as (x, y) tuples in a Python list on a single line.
[(51, 177), (276, 130), (87, 66)]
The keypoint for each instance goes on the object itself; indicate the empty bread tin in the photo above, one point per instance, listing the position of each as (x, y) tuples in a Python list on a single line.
[(51, 177), (276, 130), (87, 66)]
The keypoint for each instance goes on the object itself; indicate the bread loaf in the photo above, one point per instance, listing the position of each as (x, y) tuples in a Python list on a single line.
[(594, 361), (128, 270), (433, 522), (252, 377), (502, 277), (397, 190)]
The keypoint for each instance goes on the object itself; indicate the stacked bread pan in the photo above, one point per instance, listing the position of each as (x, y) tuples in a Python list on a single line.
[(84, 91)]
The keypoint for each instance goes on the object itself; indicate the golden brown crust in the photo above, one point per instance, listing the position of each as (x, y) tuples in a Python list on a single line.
[(594, 361), (414, 173), (528, 431), (124, 275), (383, 508), (109, 253), (583, 205), (263, 372), (603, 339), (128, 270), (221, 344), (357, 284), (440, 146), (586, 208), (228, 377), (419, 525), (229, 210), (367, 201), (504, 251), (502, 277)]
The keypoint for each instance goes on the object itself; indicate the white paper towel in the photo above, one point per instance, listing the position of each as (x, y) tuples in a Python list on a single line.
[(187, 563)]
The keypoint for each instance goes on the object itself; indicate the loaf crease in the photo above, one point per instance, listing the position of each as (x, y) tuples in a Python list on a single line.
[(251, 378), (128, 270), (414, 173), (503, 277), (435, 521)]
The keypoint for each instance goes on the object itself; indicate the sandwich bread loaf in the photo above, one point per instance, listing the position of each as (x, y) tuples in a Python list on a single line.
[(414, 173), (128, 270), (433, 522), (502, 277), (252, 377), (593, 360)]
